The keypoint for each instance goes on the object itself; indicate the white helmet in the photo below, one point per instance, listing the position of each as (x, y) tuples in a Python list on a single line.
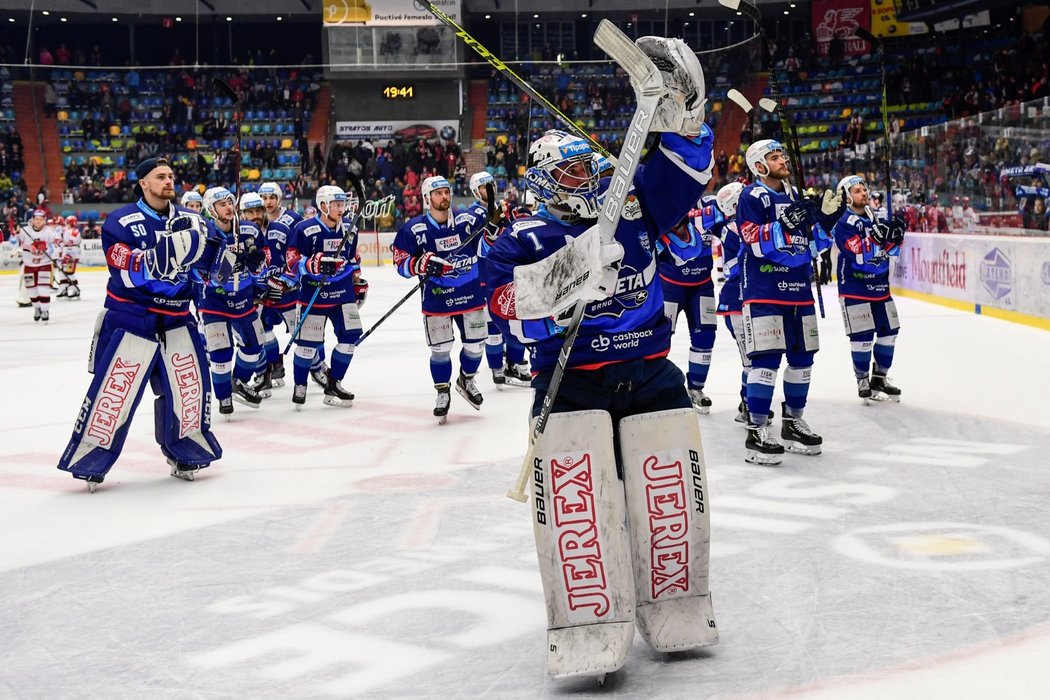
[(846, 184), (757, 152), (478, 182), (250, 200), (727, 198), (271, 188), (191, 196), (432, 183), (216, 194), (552, 154), (326, 194)]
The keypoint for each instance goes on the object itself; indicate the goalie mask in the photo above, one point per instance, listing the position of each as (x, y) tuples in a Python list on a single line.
[(756, 156), (477, 185), (848, 183), (727, 198), (563, 174)]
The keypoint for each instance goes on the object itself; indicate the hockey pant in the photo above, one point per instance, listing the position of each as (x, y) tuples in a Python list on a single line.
[(601, 579), (698, 303), (346, 322), (473, 332), (221, 334), (771, 332), (38, 285), (127, 351)]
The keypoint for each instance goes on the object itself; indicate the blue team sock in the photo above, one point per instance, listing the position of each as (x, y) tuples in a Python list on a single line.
[(494, 355), (468, 364), (222, 385), (271, 352), (796, 389), (318, 361), (441, 369), (699, 365), (860, 350), (515, 353), (245, 366), (743, 383), (760, 383), (301, 368), (340, 364), (883, 352)]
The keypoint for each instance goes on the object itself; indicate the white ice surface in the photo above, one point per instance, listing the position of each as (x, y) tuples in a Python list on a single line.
[(370, 552)]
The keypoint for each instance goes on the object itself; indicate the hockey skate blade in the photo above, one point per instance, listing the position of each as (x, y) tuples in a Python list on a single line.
[(466, 397), (797, 448), (702, 410), (245, 402), (337, 402), (277, 383), (678, 624), (766, 460), (588, 650)]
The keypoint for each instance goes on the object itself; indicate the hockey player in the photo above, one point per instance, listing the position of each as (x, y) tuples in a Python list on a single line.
[(622, 408), (729, 304), (778, 317), (69, 256), (193, 201), (39, 244), (688, 287), (146, 333), (227, 310), (865, 246), (441, 247), (321, 255)]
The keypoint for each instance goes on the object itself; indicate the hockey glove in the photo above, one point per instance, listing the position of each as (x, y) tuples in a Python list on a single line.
[(324, 265), (360, 291), (880, 233), (897, 227), (681, 108), (430, 265), (796, 218), (252, 257)]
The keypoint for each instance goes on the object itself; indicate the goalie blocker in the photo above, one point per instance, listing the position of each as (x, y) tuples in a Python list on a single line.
[(600, 578)]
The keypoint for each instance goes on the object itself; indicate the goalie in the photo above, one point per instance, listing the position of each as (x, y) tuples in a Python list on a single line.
[(623, 443)]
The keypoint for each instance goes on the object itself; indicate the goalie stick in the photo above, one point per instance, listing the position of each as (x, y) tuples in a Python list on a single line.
[(513, 77), (347, 232), (867, 36), (227, 90), (648, 86), (490, 190)]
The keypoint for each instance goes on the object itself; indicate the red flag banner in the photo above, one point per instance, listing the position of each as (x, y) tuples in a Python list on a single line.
[(836, 20)]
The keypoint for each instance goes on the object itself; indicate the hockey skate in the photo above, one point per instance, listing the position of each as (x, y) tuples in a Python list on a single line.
[(263, 385), (246, 394), (320, 375), (226, 406), (517, 375), (37, 314), (74, 293), (469, 390), (498, 378), (762, 447), (277, 374), (24, 304), (444, 398), (743, 415), (186, 472), (798, 437), (336, 395), (881, 388), (64, 294), (45, 316), (299, 396), (93, 482), (864, 389), (701, 401)]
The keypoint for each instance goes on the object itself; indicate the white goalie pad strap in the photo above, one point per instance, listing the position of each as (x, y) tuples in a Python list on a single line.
[(123, 381), (669, 521), (544, 288), (581, 544)]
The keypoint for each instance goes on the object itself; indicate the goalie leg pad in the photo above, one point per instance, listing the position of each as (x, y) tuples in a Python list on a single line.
[(669, 521), (183, 406), (122, 367), (581, 544)]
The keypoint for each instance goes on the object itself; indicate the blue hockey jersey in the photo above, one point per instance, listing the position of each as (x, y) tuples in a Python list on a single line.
[(234, 298), (311, 236), (864, 265)]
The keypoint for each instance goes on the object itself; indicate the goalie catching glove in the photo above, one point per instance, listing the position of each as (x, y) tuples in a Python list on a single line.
[(681, 108), (179, 246)]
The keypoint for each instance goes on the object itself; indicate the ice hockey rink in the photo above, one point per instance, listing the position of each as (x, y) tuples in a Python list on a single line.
[(370, 552)]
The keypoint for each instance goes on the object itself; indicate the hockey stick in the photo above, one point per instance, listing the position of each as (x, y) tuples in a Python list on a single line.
[(648, 86), (227, 90), (520, 82), (348, 230), (867, 36), (422, 280)]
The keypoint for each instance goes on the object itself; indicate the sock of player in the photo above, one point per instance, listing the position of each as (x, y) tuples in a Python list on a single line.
[(743, 382), (221, 362), (860, 349), (796, 389), (441, 367), (304, 360), (515, 353), (341, 356), (271, 350), (494, 351), (760, 382), (318, 361), (246, 364), (883, 352), (469, 360), (699, 364)]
